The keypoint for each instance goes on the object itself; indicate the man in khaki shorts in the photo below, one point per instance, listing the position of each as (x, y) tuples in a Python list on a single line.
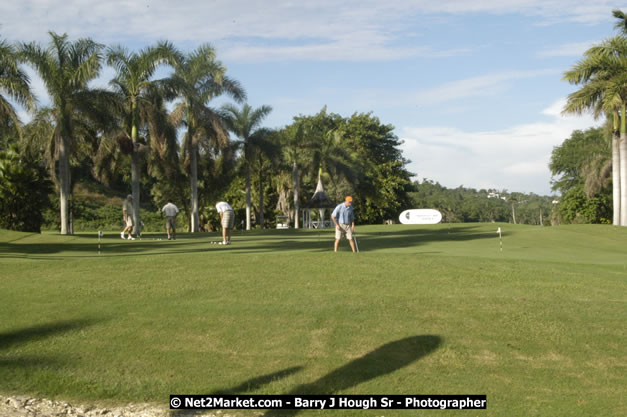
[(227, 219), (344, 218), (170, 211), (127, 214)]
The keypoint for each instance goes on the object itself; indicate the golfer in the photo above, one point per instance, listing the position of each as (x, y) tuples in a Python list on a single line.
[(344, 218), (127, 214), (227, 219), (171, 212)]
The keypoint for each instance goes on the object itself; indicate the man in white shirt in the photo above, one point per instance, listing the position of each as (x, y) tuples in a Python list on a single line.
[(171, 211), (227, 218)]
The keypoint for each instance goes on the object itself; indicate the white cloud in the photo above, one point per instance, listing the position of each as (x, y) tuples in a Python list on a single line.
[(515, 159), (485, 85), (324, 29), (569, 49)]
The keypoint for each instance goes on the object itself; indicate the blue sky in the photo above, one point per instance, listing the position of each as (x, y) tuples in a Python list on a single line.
[(473, 88)]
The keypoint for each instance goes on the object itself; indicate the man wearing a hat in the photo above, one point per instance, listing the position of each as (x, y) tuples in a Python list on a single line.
[(344, 219), (127, 213)]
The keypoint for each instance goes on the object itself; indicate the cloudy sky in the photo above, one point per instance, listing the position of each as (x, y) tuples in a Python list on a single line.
[(473, 88)]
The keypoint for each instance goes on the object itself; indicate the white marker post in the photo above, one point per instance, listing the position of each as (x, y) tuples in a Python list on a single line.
[(500, 238), (99, 237)]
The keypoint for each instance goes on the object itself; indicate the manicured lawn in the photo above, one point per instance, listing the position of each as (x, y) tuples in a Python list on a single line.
[(539, 328)]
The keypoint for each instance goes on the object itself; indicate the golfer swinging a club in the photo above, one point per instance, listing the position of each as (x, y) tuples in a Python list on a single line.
[(344, 218)]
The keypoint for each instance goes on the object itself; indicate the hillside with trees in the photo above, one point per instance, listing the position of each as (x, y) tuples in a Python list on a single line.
[(469, 205)]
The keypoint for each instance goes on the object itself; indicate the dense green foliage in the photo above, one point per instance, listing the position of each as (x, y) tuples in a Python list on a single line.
[(469, 205), (24, 188), (355, 155), (582, 167)]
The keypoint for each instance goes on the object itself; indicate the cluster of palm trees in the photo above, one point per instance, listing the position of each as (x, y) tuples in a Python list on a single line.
[(167, 123), (603, 76), (130, 117)]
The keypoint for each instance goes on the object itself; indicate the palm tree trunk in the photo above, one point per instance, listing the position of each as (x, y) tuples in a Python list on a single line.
[(135, 191), (194, 184), (616, 183), (261, 220), (135, 171), (295, 180), (64, 186), (248, 197), (623, 167)]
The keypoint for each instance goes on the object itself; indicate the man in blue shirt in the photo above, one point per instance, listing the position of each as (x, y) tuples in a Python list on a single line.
[(344, 219)]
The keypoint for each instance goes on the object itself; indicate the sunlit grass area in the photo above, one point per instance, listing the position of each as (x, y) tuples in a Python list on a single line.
[(538, 327)]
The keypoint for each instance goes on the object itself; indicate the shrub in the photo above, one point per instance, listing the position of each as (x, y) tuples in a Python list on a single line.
[(24, 188)]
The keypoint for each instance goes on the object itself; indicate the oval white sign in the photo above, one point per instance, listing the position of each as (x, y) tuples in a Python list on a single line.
[(420, 216)]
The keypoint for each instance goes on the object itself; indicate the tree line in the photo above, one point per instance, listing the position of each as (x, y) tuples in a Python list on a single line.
[(163, 139), (582, 174), (486, 205)]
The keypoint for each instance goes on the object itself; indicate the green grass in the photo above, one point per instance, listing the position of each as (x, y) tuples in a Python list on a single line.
[(539, 328)]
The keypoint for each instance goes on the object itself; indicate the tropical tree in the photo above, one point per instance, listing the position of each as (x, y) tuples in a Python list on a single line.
[(14, 85), (580, 166), (253, 140), (295, 153), (24, 189), (66, 69), (329, 157), (198, 78), (604, 91), (136, 91)]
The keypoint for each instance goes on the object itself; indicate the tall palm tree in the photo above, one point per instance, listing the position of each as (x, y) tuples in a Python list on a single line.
[(66, 69), (604, 91), (295, 154), (267, 150), (14, 84), (253, 140), (198, 78), (134, 85)]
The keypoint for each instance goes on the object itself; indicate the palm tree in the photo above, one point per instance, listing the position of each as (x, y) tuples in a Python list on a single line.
[(198, 78), (267, 150), (332, 159), (14, 84), (604, 90), (134, 85), (66, 69), (294, 153), (253, 140)]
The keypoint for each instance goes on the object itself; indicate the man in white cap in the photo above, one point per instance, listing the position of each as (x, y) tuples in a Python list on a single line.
[(170, 211), (127, 214)]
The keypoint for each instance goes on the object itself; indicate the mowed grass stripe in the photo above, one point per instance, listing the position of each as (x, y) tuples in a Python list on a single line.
[(539, 328)]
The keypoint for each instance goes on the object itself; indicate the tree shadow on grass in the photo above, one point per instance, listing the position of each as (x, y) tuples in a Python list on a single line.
[(369, 241), (246, 386), (384, 360), (258, 382), (35, 333), (256, 242)]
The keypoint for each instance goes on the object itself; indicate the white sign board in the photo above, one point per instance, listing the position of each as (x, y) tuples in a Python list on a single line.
[(420, 216)]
